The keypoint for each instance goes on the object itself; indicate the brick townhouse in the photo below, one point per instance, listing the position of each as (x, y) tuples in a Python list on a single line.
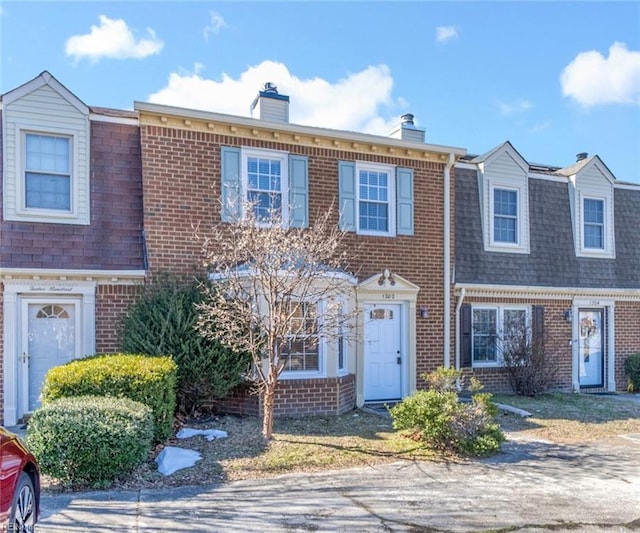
[(555, 248), (95, 200), (70, 233), (396, 201)]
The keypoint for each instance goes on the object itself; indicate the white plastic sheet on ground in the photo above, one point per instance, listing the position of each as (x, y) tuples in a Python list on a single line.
[(210, 434), (172, 458)]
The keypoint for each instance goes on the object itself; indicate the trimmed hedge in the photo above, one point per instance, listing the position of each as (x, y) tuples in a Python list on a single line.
[(90, 439), (149, 380)]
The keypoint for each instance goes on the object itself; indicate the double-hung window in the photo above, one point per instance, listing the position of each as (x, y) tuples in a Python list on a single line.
[(593, 210), (265, 180), (375, 199), (505, 216), (301, 349), (47, 172), (495, 329)]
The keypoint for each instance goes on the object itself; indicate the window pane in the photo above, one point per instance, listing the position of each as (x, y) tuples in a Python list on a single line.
[(47, 153), (373, 201), (301, 349), (484, 335), (505, 216), (43, 191), (373, 216), (593, 223)]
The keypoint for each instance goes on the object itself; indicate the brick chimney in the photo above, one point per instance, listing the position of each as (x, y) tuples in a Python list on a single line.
[(407, 130), (270, 105)]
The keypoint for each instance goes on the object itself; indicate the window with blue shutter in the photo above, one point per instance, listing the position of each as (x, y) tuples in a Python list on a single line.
[(375, 199), (273, 183)]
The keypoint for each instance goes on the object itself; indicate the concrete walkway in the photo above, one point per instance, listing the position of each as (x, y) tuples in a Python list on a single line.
[(532, 486)]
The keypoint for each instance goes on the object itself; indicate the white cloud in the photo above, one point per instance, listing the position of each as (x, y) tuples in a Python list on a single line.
[(446, 33), (216, 23), (514, 108), (355, 103), (593, 79), (112, 39)]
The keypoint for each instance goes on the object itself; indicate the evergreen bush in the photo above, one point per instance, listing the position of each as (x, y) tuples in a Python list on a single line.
[(163, 322), (632, 371), (149, 380), (90, 440)]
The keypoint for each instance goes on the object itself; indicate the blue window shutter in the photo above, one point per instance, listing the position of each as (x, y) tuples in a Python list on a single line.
[(347, 190), (230, 195), (404, 201), (298, 191)]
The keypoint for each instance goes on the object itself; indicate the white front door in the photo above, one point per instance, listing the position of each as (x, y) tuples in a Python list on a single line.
[(591, 347), (50, 337), (383, 357)]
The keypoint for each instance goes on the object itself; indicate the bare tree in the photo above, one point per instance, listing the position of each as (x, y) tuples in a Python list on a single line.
[(278, 293), (530, 365)]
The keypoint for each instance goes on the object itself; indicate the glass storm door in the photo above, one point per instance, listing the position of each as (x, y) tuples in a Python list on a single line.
[(49, 338), (383, 361), (591, 347)]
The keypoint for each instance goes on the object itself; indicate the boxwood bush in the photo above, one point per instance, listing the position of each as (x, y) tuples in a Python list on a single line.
[(149, 380), (90, 440)]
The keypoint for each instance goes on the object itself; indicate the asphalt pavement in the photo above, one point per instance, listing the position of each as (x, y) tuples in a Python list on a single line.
[(533, 486)]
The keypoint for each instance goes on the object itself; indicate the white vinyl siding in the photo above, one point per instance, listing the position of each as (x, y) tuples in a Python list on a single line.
[(591, 201), (504, 203), (45, 112)]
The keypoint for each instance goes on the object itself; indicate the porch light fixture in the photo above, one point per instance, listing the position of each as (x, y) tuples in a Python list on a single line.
[(568, 315), (424, 312)]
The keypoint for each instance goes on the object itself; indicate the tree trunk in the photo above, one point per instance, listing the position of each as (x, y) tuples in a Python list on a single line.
[(268, 404)]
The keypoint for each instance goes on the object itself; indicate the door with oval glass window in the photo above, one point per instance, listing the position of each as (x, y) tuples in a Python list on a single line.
[(591, 348), (49, 337), (383, 358)]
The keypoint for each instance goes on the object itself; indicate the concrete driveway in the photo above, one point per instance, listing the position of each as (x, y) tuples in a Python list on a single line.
[(532, 486)]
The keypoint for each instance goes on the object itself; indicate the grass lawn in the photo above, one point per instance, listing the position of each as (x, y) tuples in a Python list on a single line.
[(359, 438)]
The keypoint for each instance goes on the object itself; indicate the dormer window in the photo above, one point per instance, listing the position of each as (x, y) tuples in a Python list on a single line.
[(47, 173), (593, 223), (505, 216)]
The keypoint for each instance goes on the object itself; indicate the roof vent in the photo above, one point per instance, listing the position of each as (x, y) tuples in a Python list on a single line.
[(270, 105), (407, 130), (581, 156)]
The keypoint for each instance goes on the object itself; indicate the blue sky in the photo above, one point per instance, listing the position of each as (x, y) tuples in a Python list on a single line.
[(554, 78)]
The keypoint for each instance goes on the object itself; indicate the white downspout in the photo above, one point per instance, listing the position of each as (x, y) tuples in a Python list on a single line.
[(447, 260), (458, 306)]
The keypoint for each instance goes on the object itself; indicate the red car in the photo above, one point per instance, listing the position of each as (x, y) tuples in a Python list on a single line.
[(19, 485)]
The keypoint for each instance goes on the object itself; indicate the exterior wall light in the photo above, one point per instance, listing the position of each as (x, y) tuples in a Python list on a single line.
[(424, 312), (568, 315)]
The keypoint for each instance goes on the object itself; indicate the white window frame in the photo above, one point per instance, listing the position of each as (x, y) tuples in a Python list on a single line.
[(589, 249), (321, 372), (283, 157), (504, 245), (391, 197), (518, 217), (500, 311), (33, 214), (22, 206)]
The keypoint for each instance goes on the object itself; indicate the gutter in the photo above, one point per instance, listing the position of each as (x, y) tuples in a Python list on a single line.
[(458, 306), (447, 259)]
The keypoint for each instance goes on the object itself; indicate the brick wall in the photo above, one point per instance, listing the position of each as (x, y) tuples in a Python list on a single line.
[(627, 325), (298, 397), (112, 302)]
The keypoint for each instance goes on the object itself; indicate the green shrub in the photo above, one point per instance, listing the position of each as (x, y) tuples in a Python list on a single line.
[(437, 418), (149, 380), (632, 371), (90, 439), (163, 321)]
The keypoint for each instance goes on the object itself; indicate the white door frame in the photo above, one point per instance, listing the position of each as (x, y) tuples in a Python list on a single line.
[(14, 292), (609, 366)]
